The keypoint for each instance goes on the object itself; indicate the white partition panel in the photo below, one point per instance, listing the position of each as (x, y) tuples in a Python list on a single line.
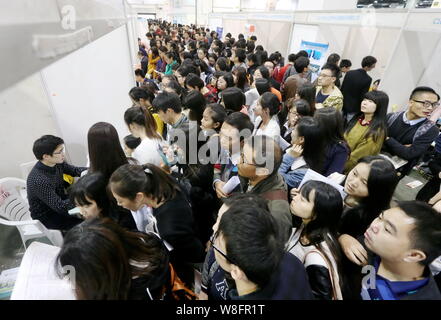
[(408, 64), (26, 116), (88, 86)]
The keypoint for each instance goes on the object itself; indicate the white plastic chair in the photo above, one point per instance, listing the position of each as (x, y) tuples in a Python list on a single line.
[(14, 211), (26, 168), (14, 186)]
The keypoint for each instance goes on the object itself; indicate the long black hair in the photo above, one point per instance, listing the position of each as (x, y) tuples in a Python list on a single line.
[(378, 128), (328, 208), (381, 184), (331, 123), (313, 152)]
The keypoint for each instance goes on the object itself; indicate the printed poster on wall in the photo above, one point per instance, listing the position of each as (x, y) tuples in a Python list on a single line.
[(317, 53), (219, 31)]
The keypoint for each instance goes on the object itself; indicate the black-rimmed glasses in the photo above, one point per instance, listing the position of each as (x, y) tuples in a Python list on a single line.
[(428, 104), (212, 239)]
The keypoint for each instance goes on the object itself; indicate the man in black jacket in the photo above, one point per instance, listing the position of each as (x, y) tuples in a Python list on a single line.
[(355, 85), (48, 201), (404, 241), (249, 246)]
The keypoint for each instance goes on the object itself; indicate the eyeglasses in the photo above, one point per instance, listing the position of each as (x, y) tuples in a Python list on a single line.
[(212, 239), (428, 104), (59, 152)]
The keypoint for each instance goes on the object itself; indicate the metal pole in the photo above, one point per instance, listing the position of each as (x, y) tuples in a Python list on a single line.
[(196, 12)]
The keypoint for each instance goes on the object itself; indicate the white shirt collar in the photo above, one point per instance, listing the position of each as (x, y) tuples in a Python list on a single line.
[(412, 122)]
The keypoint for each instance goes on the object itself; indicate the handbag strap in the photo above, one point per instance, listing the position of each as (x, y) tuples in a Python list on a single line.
[(330, 270)]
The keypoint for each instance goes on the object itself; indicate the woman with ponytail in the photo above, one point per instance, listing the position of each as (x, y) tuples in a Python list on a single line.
[(137, 187), (142, 125)]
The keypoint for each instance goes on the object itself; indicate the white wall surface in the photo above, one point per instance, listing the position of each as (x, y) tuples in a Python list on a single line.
[(26, 116), (414, 62), (88, 86)]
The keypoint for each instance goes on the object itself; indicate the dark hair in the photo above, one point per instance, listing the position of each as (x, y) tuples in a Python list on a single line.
[(264, 72), (302, 107), (377, 82), (423, 89), (254, 38), (241, 122), (333, 68), (217, 113), (292, 57), (186, 69), (265, 150), (241, 36), (194, 81), (368, 61), (222, 64), (175, 86), (167, 100), (139, 73), (101, 252), (105, 151), (345, 63), (381, 185), (302, 53), (330, 121), (241, 78), (248, 198), (142, 117), (262, 86), (241, 55), (426, 234), (163, 49), (132, 142), (327, 211), (252, 241), (137, 93), (228, 77), (252, 57), (250, 46), (92, 186), (196, 102), (233, 99), (333, 58), (300, 64), (269, 100), (313, 146), (130, 179), (155, 52), (308, 92), (378, 127), (46, 145)]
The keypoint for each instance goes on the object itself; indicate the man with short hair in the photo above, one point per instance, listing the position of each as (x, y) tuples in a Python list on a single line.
[(403, 241), (249, 246), (411, 132), (328, 95), (355, 85), (236, 127), (258, 166), (170, 112), (48, 201), (301, 67)]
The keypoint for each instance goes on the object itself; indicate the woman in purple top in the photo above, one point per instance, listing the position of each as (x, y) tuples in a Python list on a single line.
[(330, 121)]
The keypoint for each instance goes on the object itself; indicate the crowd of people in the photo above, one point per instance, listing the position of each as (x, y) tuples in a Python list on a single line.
[(213, 180)]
